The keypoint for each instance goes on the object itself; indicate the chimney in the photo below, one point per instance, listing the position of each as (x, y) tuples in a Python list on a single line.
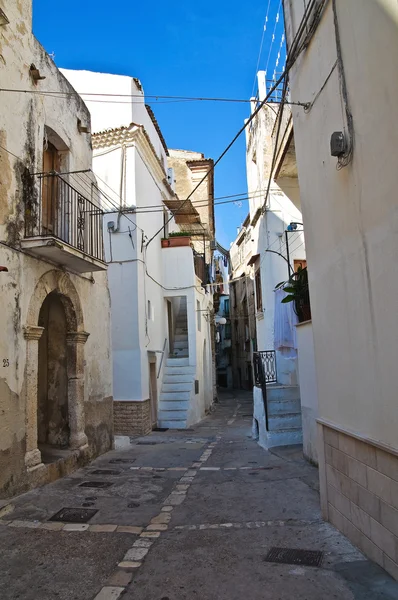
[(262, 85)]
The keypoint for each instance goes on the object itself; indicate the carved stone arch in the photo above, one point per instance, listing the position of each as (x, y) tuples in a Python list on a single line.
[(59, 283)]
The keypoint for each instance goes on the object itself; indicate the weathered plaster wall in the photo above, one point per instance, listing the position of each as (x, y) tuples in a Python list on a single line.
[(24, 119)]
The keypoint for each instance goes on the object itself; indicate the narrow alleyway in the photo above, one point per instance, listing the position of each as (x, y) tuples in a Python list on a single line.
[(183, 515)]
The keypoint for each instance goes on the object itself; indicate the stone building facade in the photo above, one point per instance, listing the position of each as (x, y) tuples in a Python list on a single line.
[(56, 378)]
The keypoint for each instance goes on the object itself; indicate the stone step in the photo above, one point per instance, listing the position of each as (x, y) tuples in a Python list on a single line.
[(284, 422), (283, 392), (177, 386), (181, 331), (287, 437), (180, 370), (173, 406), (171, 396), (179, 353), (177, 362), (178, 377), (181, 344), (172, 424), (172, 415), (181, 337), (280, 407)]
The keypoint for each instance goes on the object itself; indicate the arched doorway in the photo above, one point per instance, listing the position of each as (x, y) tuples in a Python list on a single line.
[(52, 397), (54, 371)]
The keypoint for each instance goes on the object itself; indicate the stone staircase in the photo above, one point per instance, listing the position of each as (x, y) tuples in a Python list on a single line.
[(178, 379), (284, 416)]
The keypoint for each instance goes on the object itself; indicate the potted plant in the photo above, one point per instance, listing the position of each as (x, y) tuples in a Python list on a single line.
[(176, 238), (298, 292)]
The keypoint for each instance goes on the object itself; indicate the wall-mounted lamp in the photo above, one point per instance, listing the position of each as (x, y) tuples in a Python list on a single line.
[(293, 226)]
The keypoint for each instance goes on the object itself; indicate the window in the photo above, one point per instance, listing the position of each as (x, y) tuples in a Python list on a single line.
[(199, 315), (259, 296), (226, 307), (228, 331)]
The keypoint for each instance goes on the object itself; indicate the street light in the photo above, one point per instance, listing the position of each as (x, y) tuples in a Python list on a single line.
[(293, 226)]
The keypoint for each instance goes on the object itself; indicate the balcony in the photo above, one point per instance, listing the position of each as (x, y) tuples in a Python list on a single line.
[(64, 226)]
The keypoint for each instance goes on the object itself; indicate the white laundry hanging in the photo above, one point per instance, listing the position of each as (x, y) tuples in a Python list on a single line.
[(285, 321)]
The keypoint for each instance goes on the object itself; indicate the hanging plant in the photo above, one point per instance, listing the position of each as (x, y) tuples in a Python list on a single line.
[(298, 292)]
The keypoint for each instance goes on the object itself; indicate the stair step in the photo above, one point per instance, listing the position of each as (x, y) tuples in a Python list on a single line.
[(173, 415), (174, 406), (174, 424), (183, 344), (281, 407), (177, 386), (181, 337), (178, 377), (179, 370), (285, 422), (283, 392), (284, 437), (177, 362), (170, 396)]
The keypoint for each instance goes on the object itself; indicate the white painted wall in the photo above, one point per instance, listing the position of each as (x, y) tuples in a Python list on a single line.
[(308, 389), (129, 106), (351, 215)]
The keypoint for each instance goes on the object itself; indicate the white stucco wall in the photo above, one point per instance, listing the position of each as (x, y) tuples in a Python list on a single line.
[(127, 108), (308, 389), (351, 215)]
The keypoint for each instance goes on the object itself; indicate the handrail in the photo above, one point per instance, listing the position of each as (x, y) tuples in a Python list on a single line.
[(161, 360), (264, 363)]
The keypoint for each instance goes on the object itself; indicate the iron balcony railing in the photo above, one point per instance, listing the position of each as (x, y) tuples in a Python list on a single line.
[(264, 364), (65, 213)]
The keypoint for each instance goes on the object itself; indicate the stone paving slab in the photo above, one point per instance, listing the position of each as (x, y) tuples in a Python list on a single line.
[(230, 566), (52, 565), (237, 499)]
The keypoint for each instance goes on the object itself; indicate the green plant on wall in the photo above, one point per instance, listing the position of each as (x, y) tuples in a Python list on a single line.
[(298, 292)]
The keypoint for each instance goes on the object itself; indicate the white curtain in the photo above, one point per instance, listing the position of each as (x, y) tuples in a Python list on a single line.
[(285, 321)]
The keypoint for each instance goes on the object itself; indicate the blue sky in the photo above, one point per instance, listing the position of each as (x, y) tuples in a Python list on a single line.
[(176, 48)]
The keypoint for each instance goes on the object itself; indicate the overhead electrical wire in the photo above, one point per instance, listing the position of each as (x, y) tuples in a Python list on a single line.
[(273, 36), (261, 46)]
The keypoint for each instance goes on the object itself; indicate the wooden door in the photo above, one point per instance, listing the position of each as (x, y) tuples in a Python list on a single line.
[(49, 192)]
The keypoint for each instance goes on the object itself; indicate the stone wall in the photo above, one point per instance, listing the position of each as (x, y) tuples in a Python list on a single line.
[(132, 418), (361, 489)]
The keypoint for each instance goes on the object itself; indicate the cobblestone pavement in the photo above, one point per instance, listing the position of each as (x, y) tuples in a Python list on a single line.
[(183, 515)]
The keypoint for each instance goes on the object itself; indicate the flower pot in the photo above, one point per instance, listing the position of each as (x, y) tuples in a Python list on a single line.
[(175, 242)]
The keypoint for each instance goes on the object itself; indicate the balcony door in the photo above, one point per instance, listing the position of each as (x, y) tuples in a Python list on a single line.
[(49, 192)]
